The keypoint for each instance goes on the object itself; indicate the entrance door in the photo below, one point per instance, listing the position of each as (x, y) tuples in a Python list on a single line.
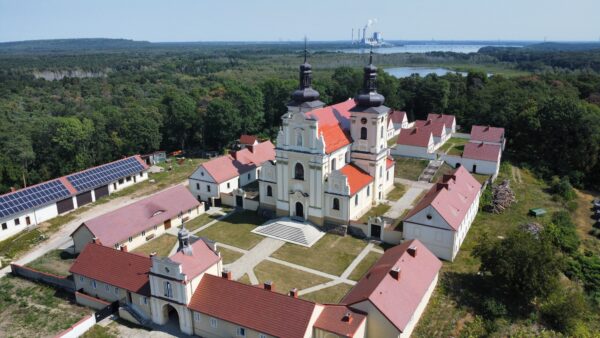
[(375, 231), (167, 224), (239, 201), (299, 210), (474, 168)]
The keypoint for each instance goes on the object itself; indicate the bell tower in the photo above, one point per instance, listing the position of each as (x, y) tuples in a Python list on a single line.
[(368, 129)]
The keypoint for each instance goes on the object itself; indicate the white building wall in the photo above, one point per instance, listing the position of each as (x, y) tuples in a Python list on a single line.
[(127, 182), (414, 151), (483, 167), (420, 309), (365, 202), (377, 324), (35, 217)]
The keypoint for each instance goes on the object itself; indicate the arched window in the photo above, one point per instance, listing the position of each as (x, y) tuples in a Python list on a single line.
[(299, 138), (336, 204), (168, 290), (269, 190), (333, 164), (299, 172), (363, 133)]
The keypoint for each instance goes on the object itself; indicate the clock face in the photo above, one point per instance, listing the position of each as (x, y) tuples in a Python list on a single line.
[(363, 120)]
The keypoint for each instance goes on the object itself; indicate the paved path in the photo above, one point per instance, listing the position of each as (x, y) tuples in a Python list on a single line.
[(61, 239), (356, 261), (416, 184), (253, 257), (213, 211), (405, 202)]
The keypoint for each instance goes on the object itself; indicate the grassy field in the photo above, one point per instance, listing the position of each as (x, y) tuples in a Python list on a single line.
[(454, 146), (57, 262), (245, 279), (584, 221), (98, 331), (200, 221), (161, 245), (331, 254), (28, 309), (235, 230), (410, 168), (286, 278), (378, 210), (330, 295), (229, 256), (397, 192), (364, 265), (451, 306), (445, 169)]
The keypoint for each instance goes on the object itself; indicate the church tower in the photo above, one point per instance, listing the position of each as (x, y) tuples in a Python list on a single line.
[(368, 130)]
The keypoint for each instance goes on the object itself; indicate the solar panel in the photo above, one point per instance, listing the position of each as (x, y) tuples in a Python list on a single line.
[(105, 174), (29, 198)]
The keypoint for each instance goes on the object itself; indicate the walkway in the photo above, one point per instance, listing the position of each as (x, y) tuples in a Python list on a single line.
[(405, 202), (212, 211), (430, 171), (253, 257)]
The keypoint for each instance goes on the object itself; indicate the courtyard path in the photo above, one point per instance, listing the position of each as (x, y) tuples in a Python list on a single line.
[(253, 257), (405, 202), (356, 261), (213, 211)]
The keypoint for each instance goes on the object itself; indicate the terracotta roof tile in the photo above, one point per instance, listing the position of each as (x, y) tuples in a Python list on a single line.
[(265, 311), (335, 138), (487, 134), (357, 178), (335, 114), (451, 197), (248, 139), (390, 162), (334, 319), (482, 151), (398, 299), (416, 137), (436, 127), (448, 120), (201, 259), (125, 270), (116, 226), (226, 167), (397, 116)]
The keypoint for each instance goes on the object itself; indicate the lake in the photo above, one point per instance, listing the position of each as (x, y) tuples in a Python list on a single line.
[(401, 72), (425, 48)]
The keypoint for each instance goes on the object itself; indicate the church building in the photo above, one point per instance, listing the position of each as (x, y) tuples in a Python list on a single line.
[(332, 163)]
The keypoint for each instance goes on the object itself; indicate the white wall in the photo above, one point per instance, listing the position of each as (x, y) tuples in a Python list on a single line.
[(36, 216), (133, 179), (483, 167), (413, 151)]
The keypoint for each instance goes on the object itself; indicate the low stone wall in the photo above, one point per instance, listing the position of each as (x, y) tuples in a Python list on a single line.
[(90, 301), (336, 229), (79, 328), (358, 230), (64, 283)]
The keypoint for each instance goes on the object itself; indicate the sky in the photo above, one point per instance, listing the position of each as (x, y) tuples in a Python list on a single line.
[(282, 20)]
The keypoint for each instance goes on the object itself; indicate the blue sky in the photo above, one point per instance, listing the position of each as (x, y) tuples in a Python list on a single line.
[(273, 20)]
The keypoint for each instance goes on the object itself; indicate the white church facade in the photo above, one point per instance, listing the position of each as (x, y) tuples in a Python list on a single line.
[(332, 163)]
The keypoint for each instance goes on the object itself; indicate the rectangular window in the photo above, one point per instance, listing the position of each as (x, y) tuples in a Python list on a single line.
[(106, 287), (208, 188), (262, 336), (213, 323), (117, 291), (241, 332), (144, 301), (141, 174), (27, 220), (196, 316), (197, 186), (94, 285), (17, 221), (248, 176), (143, 233), (81, 279), (130, 239), (155, 228), (4, 226), (356, 199), (121, 181), (168, 290), (227, 185), (128, 178)]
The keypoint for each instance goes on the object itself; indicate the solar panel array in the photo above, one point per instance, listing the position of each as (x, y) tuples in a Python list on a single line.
[(31, 197), (105, 174)]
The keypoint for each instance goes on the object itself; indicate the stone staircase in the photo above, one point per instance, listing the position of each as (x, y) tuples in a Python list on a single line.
[(285, 229), (136, 314)]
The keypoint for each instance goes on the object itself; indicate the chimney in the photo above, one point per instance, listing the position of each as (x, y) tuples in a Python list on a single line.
[(95, 240), (441, 186), (226, 274), (449, 177), (414, 131), (412, 251), (269, 286), (395, 272), (481, 144), (124, 248), (250, 147), (487, 128), (347, 317), (294, 292), (152, 254)]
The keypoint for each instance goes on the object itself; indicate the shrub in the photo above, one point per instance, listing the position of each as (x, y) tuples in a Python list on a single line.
[(572, 206), (562, 232), (564, 309), (485, 202), (492, 308), (563, 188)]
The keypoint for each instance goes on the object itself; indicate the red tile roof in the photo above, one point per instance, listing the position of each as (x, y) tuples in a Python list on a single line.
[(390, 162), (116, 226), (482, 151), (357, 178), (451, 197), (335, 138), (265, 311), (487, 134), (335, 114), (224, 168), (248, 139), (397, 300), (447, 119), (201, 259), (334, 319), (397, 116), (125, 270), (436, 127), (416, 137)]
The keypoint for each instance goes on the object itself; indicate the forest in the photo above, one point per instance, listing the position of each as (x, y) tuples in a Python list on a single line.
[(202, 97)]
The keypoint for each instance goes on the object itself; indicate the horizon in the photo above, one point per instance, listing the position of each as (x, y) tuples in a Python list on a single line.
[(273, 21)]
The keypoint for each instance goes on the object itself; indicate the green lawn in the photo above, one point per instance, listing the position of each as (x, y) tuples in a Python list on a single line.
[(245, 279), (28, 309), (229, 256), (364, 265), (445, 169), (235, 230), (452, 144), (377, 210), (200, 221), (331, 254), (98, 331), (410, 168), (57, 262), (286, 278), (459, 278), (397, 192), (330, 295), (161, 245), (481, 178)]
